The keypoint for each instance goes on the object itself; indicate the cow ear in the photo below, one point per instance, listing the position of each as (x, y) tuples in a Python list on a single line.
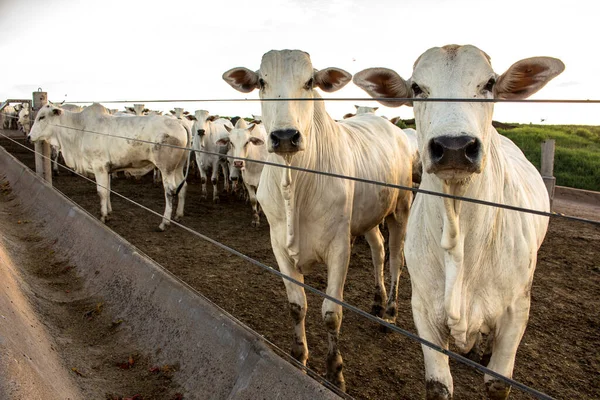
[(228, 128), (241, 79), (383, 83), (349, 115), (331, 79), (251, 127), (375, 109), (192, 118), (256, 141), (172, 112), (57, 111), (186, 112), (212, 118), (356, 106), (526, 77)]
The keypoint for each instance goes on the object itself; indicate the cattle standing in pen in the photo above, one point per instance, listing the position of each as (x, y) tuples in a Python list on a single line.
[(313, 218), (88, 151), (248, 142), (206, 130), (471, 266)]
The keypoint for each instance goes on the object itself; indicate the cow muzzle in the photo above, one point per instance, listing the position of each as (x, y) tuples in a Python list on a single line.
[(238, 164), (285, 141), (456, 155)]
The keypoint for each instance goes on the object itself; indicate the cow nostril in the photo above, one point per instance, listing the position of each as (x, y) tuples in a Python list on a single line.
[(296, 139), (274, 140), (472, 150), (436, 150)]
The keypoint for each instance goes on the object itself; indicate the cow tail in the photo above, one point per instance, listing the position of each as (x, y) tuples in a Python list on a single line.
[(189, 147)]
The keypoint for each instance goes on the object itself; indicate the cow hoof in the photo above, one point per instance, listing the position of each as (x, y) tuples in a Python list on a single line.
[(161, 228), (178, 218), (437, 391), (377, 310), (103, 219), (497, 389)]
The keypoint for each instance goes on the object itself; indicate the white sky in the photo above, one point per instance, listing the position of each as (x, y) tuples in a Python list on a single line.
[(91, 50)]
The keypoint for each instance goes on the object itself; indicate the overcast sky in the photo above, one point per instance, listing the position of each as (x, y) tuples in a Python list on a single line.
[(90, 50)]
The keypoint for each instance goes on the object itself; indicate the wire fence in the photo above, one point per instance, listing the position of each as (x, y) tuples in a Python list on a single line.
[(393, 328), (343, 304)]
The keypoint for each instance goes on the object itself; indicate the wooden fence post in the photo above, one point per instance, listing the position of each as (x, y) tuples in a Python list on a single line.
[(547, 167), (43, 164)]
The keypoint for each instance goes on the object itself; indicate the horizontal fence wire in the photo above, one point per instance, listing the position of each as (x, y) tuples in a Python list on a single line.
[(388, 99), (362, 180), (364, 314)]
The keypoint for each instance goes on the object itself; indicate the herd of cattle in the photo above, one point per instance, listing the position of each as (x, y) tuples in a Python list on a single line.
[(471, 266)]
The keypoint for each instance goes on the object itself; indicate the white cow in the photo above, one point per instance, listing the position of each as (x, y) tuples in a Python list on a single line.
[(314, 218), (248, 143), (471, 266), (206, 131), (92, 153), (24, 122), (10, 117)]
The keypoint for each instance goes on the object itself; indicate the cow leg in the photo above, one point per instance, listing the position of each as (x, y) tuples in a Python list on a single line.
[(375, 240), (397, 224), (225, 169), (181, 197), (214, 179), (509, 331), (438, 380), (156, 176), (297, 300), (108, 205), (254, 204), (101, 186), (170, 189), (337, 268), (203, 179), (54, 157)]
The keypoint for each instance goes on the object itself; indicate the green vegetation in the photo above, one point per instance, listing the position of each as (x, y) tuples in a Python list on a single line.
[(577, 157)]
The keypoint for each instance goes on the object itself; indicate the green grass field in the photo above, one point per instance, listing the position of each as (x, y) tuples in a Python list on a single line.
[(577, 157)]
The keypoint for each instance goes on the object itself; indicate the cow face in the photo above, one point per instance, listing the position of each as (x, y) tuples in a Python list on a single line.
[(454, 137), (287, 74), (138, 109), (44, 125), (238, 142)]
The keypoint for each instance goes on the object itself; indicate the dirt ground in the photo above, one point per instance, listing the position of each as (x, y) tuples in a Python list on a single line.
[(559, 354)]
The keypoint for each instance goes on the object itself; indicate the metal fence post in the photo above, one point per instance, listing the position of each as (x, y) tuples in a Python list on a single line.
[(547, 167), (43, 164)]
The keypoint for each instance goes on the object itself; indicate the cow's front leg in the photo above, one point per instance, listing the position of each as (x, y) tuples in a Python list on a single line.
[(438, 380), (337, 268), (179, 177), (109, 204), (254, 204), (170, 188), (214, 179), (225, 168), (102, 185), (297, 300), (509, 331)]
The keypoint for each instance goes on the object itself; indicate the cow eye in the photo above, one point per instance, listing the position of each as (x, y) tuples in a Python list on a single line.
[(416, 90), (261, 83), (489, 86), (41, 118), (310, 84)]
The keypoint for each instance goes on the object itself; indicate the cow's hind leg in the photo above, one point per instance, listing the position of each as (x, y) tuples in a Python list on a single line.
[(181, 196), (214, 179), (170, 188), (507, 336), (396, 224), (376, 241), (102, 185)]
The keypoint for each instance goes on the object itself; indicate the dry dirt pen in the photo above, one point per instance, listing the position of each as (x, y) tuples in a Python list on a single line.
[(559, 354)]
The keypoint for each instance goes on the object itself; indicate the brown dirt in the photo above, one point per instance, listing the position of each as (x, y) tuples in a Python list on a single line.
[(558, 355)]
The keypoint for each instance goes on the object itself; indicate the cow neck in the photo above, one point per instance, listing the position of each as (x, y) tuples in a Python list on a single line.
[(69, 140), (453, 240), (317, 153)]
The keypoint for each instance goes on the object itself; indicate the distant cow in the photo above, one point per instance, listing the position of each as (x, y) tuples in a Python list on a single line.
[(313, 218), (471, 266), (248, 143), (207, 130), (92, 153)]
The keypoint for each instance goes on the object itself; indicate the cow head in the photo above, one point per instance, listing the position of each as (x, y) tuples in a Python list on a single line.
[(138, 109), (287, 74), (454, 137), (44, 125), (238, 141)]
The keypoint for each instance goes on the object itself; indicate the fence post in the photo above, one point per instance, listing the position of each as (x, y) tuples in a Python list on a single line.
[(547, 167), (43, 164)]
